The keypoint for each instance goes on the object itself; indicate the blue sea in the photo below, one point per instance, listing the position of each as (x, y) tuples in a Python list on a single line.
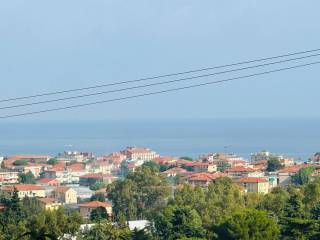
[(299, 138)]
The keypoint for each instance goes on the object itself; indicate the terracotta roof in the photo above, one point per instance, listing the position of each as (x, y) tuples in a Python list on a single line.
[(76, 166), (252, 180), (164, 159), (47, 200), (294, 168), (240, 169), (206, 177), (22, 187), (47, 180), (176, 170), (136, 150), (61, 189), (95, 204)]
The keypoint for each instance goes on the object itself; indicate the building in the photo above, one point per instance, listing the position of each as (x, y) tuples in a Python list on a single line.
[(254, 184), (25, 190), (176, 171), (92, 178), (8, 177), (8, 162), (202, 167), (48, 182), (49, 203), (65, 195), (86, 208), (204, 178), (135, 154), (238, 172), (266, 156)]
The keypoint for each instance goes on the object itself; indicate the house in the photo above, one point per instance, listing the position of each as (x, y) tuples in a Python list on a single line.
[(65, 195), (45, 182), (92, 178), (135, 154), (8, 162), (204, 178), (254, 184), (176, 171), (49, 203), (25, 190), (8, 177), (165, 160), (285, 174), (86, 208), (239, 171), (202, 167)]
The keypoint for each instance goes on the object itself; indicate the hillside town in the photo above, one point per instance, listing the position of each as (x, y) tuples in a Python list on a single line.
[(71, 178)]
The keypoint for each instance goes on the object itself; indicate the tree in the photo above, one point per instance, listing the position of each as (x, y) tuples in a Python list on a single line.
[(98, 186), (273, 164), (303, 176), (98, 214), (248, 224), (21, 162), (139, 194), (104, 230), (152, 165), (52, 161), (186, 158), (98, 197), (27, 178), (178, 222), (294, 207)]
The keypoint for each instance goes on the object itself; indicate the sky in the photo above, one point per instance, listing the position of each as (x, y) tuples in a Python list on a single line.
[(56, 45)]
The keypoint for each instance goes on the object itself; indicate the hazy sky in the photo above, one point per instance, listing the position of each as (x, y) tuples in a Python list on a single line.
[(54, 45)]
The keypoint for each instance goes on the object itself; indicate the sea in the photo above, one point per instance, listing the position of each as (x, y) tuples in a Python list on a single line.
[(298, 138)]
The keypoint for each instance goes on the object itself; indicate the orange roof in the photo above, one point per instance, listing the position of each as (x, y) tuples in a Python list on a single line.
[(76, 167), (163, 160), (176, 170), (47, 180), (61, 189), (22, 187), (95, 204), (294, 168), (240, 169), (206, 177), (252, 180), (47, 200), (136, 150)]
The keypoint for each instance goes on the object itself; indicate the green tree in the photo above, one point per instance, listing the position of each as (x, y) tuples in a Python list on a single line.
[(98, 197), (139, 194), (20, 162), (178, 222), (294, 207), (27, 178), (52, 161), (273, 165), (248, 224), (98, 214), (303, 176), (152, 165), (104, 230), (300, 229)]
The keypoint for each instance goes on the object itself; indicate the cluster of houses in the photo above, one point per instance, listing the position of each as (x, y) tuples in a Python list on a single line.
[(68, 178)]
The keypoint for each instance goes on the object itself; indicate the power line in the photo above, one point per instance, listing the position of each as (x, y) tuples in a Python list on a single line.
[(158, 83), (159, 92), (156, 77)]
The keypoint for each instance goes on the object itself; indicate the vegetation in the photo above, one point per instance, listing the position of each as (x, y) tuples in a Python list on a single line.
[(27, 178), (273, 165), (52, 161), (97, 186), (20, 162)]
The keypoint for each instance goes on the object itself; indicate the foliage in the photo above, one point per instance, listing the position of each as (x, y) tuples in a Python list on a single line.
[(104, 230), (52, 161), (27, 178), (98, 186), (152, 165), (138, 194), (98, 197), (179, 222), (273, 164), (303, 176), (248, 224), (186, 158), (222, 166), (98, 214), (21, 162)]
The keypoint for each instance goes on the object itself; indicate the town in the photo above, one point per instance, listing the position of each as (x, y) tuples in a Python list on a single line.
[(78, 181)]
